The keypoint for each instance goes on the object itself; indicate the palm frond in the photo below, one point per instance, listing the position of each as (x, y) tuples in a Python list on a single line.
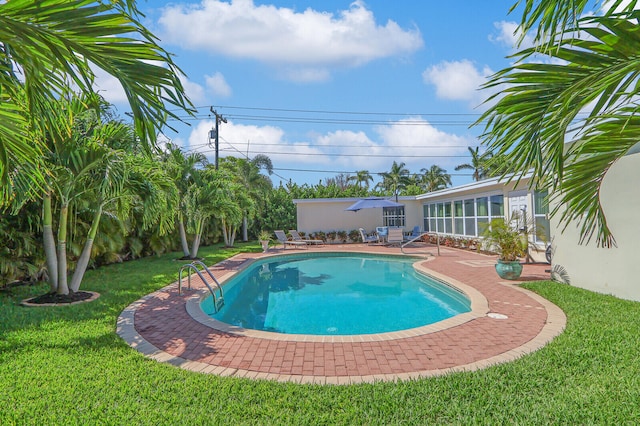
[(568, 123)]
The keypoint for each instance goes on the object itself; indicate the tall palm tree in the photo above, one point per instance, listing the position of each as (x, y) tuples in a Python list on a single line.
[(82, 167), (396, 179), (362, 178), (184, 170), (584, 92), (46, 47), (479, 164), (246, 172), (435, 178)]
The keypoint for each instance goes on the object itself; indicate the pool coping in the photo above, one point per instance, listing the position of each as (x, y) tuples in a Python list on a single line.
[(553, 325)]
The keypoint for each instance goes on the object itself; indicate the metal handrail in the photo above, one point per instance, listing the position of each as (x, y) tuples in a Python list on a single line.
[(218, 302)]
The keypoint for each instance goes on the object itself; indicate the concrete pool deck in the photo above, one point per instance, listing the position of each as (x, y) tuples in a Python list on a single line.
[(507, 322)]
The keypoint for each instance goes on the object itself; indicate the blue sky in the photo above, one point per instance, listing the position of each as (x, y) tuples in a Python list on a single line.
[(334, 86)]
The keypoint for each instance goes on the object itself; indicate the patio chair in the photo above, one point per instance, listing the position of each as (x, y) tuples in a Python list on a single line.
[(382, 232), (373, 238), (395, 236), (280, 236), (415, 233), (296, 237)]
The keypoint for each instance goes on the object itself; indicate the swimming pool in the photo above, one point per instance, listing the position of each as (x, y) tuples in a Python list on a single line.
[(335, 294)]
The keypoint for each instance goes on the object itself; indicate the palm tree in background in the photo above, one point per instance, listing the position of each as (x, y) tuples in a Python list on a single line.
[(480, 164), (362, 178), (571, 114), (255, 184), (434, 178), (395, 180)]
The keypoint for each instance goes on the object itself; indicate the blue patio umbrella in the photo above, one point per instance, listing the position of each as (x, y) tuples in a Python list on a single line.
[(372, 203)]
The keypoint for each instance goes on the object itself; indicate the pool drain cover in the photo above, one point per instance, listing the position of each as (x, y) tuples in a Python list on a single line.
[(332, 329), (496, 315)]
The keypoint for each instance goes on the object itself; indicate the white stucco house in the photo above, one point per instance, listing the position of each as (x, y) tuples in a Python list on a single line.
[(464, 210)]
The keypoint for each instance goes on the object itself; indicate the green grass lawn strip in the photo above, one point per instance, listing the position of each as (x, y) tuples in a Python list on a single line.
[(66, 365)]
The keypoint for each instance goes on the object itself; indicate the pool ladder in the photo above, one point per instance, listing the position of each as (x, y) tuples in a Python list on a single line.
[(218, 301)]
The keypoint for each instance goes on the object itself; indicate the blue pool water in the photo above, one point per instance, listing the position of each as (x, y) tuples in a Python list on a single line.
[(335, 295)]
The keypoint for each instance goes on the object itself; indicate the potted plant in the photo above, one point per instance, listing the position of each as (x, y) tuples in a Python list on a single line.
[(265, 238), (509, 244)]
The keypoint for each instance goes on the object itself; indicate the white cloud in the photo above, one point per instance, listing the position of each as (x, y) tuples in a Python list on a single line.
[(109, 87), (458, 80), (413, 141), (509, 35), (194, 91), (421, 145), (281, 36), (217, 84)]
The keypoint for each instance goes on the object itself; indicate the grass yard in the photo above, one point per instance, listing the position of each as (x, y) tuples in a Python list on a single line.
[(66, 365)]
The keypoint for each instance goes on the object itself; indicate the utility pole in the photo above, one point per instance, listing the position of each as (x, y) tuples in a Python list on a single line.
[(219, 118)]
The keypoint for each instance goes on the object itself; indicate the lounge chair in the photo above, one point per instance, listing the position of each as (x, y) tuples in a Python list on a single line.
[(415, 233), (296, 237), (395, 236), (368, 238), (280, 236)]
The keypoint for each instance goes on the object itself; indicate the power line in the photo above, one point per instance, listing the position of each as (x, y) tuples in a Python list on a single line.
[(309, 120), (316, 111), (311, 145), (351, 171), (319, 154)]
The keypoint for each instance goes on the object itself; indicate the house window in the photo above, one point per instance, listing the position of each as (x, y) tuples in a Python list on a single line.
[(458, 215), (470, 217), (463, 217), (393, 216), (438, 217), (482, 209), (541, 216)]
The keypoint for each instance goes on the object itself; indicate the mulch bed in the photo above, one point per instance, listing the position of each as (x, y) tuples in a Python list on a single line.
[(54, 299)]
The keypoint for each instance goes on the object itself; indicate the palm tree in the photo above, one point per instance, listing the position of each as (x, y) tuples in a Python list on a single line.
[(435, 178), (46, 48), (479, 164), (247, 173), (81, 167), (361, 178), (585, 93), (396, 179), (184, 171)]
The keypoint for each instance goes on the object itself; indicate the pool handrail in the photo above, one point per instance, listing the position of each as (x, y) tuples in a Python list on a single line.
[(218, 302)]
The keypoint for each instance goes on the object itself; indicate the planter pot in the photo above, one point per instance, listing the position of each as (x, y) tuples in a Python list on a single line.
[(509, 270), (265, 246)]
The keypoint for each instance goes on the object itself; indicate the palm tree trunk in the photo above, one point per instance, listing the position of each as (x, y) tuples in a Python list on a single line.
[(245, 233), (183, 238), (85, 256), (196, 240), (232, 238), (62, 251), (49, 242)]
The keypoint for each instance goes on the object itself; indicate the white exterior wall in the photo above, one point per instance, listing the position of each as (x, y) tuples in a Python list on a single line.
[(614, 270), (330, 215)]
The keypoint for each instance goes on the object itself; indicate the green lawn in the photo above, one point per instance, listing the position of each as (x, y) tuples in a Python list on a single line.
[(66, 365)]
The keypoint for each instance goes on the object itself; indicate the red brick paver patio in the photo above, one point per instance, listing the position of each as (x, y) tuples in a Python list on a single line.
[(506, 323)]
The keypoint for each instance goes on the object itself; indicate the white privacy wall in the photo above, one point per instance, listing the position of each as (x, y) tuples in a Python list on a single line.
[(613, 270)]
